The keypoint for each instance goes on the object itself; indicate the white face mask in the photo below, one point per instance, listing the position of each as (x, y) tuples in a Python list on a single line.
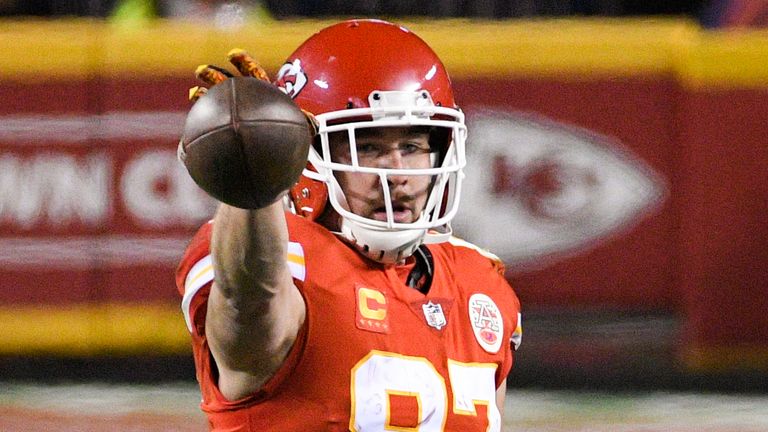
[(388, 239)]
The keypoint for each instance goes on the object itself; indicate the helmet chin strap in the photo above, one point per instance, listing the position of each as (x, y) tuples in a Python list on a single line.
[(386, 247), (390, 247)]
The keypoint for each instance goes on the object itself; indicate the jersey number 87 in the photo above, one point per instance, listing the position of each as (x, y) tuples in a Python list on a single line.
[(380, 376)]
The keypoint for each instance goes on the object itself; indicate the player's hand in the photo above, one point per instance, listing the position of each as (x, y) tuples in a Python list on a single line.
[(246, 66), (212, 75)]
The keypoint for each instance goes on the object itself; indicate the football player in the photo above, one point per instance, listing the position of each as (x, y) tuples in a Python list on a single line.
[(349, 305)]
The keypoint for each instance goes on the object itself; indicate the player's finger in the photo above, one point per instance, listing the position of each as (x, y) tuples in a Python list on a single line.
[(195, 93), (246, 65), (212, 75), (311, 120)]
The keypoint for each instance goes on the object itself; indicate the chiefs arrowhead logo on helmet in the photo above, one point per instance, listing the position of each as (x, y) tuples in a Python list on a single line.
[(291, 78)]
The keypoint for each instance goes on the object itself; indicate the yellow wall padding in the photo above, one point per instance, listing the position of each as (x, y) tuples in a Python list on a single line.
[(96, 329), (572, 49)]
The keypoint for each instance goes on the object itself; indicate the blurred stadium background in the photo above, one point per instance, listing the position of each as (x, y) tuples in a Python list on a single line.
[(618, 166)]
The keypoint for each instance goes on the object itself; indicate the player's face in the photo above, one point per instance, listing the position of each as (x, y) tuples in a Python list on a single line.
[(395, 148)]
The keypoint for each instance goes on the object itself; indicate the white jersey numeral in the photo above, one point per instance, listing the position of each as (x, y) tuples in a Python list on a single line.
[(381, 375), (470, 383)]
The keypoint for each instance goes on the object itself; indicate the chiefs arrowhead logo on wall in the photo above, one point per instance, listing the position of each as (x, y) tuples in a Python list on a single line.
[(555, 190)]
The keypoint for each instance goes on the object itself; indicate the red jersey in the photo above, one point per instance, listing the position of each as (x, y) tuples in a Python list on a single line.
[(373, 353)]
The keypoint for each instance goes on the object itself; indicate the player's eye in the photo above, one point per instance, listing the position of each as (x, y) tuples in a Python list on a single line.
[(368, 149), (414, 147)]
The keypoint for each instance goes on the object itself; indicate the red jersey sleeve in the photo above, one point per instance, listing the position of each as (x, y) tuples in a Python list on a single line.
[(194, 279), (509, 304), (194, 276), (486, 269)]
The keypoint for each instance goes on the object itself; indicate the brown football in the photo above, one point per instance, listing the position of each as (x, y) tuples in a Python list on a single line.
[(245, 142)]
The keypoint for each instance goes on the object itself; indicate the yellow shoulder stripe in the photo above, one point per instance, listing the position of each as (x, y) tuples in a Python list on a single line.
[(463, 243)]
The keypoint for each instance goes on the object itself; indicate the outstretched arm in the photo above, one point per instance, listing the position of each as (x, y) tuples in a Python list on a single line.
[(254, 309)]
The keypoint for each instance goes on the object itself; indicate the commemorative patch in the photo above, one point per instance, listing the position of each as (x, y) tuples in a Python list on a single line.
[(486, 322)]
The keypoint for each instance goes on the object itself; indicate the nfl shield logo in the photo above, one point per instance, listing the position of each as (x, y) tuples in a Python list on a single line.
[(434, 315)]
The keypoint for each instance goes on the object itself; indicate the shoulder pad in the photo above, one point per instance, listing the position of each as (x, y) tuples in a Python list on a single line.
[(496, 262)]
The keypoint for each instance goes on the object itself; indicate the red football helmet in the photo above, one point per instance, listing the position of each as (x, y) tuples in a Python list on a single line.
[(364, 74)]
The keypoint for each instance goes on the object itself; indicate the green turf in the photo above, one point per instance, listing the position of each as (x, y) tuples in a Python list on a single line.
[(525, 410)]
